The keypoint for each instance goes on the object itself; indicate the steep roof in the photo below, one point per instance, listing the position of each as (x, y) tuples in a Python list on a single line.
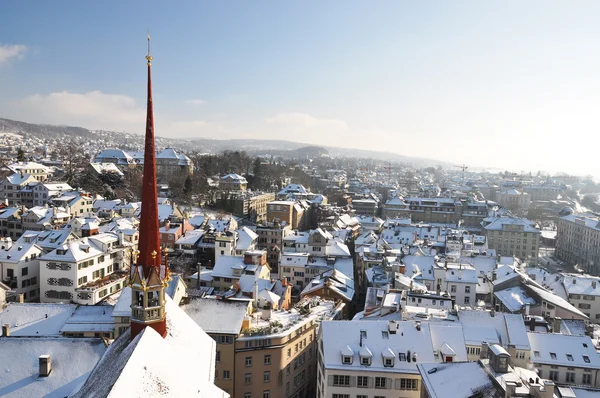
[(146, 365)]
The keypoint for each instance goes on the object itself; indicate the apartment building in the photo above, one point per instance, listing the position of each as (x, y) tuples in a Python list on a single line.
[(270, 239), (11, 186), (583, 292), (379, 358), (228, 270), (10, 222), (85, 270), (38, 171), (233, 182), (513, 237), (544, 191), (460, 280), (513, 199), (578, 241), (367, 207), (565, 359), (20, 269), (396, 207), (447, 211), (252, 206), (277, 355), (286, 212), (225, 329)]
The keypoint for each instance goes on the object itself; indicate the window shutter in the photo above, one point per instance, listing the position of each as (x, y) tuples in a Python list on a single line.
[(388, 383), (330, 380), (397, 384), (352, 381), (371, 382)]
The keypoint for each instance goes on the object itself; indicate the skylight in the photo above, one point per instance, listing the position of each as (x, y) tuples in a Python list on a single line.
[(553, 355), (586, 359), (570, 357), (536, 354)]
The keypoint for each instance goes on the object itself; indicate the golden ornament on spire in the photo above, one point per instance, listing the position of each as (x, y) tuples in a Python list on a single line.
[(149, 57)]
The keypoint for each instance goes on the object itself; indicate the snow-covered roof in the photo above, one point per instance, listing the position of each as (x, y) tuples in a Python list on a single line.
[(19, 251), (106, 168), (419, 266), (345, 336), (441, 378), (449, 339), (217, 316), (90, 318), (293, 188), (36, 320), (245, 238), (563, 350), (581, 284), (514, 298), (234, 177), (75, 251), (224, 266), (123, 306), (146, 365), (72, 360), (524, 224)]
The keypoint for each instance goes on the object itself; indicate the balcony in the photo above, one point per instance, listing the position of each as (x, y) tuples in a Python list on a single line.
[(93, 292)]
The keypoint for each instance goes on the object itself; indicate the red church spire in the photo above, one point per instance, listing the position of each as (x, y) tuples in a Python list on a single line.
[(149, 235), (149, 276)]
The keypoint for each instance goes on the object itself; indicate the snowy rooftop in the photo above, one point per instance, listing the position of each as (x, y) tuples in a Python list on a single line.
[(440, 378), (145, 367), (36, 320), (290, 320), (217, 316), (90, 318), (563, 350), (71, 359), (514, 298)]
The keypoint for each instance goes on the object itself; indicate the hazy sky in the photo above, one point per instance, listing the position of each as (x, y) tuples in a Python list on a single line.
[(506, 84)]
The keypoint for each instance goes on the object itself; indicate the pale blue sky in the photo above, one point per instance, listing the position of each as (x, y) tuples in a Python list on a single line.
[(507, 84)]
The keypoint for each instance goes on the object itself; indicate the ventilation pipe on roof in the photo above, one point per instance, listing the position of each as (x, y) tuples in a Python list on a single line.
[(6, 330)]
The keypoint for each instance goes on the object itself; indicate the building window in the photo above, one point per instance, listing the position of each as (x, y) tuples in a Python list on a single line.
[(453, 289), (409, 384), (341, 381), (226, 374), (467, 289), (247, 395), (218, 356), (340, 396), (24, 271), (266, 394), (380, 382), (570, 377), (362, 381), (587, 379), (248, 378), (267, 377), (467, 300), (347, 359), (248, 361), (553, 375), (365, 361), (267, 359)]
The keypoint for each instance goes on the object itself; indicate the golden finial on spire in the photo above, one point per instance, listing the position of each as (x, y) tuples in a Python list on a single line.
[(149, 57), (154, 253)]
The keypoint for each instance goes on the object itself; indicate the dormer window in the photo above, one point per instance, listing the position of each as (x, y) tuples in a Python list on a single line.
[(388, 362), (366, 356), (388, 357), (347, 355)]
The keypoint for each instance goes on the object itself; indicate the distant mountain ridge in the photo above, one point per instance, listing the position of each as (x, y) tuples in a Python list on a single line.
[(96, 140)]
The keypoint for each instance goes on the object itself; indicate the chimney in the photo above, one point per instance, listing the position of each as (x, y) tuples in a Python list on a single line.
[(284, 282), (492, 312), (438, 289), (483, 354), (6, 330), (527, 307), (167, 224), (594, 284), (21, 298), (511, 388), (494, 276), (556, 323), (45, 366), (532, 324)]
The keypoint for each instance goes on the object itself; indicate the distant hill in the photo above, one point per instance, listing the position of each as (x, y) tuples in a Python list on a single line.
[(95, 140)]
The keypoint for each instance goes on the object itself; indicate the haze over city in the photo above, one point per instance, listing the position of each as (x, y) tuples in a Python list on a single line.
[(506, 85)]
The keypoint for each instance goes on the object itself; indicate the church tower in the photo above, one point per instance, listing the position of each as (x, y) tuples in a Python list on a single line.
[(149, 275)]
